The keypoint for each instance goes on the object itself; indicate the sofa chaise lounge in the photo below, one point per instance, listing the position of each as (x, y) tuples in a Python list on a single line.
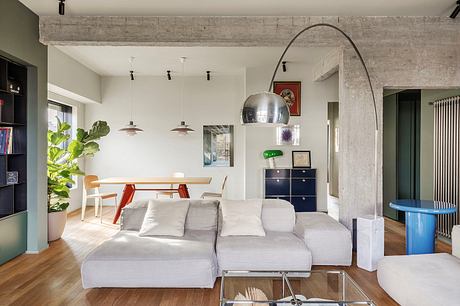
[(197, 258), (423, 280)]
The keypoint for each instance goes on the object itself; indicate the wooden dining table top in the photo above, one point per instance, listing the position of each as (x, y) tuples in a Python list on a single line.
[(154, 180)]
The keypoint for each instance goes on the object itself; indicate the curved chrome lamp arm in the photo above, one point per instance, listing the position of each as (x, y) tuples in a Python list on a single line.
[(376, 135), (354, 48)]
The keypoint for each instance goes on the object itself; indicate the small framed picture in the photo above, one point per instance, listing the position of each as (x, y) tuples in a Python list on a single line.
[(290, 91), (288, 135), (301, 159)]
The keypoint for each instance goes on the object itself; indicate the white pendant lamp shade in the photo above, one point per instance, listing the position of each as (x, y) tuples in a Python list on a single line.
[(265, 109), (182, 129), (131, 129)]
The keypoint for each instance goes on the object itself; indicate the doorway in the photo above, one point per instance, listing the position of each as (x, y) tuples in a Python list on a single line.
[(333, 148)]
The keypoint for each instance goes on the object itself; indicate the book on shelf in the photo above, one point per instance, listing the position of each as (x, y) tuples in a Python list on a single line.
[(6, 140)]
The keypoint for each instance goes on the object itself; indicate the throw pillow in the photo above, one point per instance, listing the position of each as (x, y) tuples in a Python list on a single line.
[(242, 218), (165, 218)]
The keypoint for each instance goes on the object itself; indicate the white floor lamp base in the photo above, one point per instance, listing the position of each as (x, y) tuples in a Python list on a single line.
[(370, 242)]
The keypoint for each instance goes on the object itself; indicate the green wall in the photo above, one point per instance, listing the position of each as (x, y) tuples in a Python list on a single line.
[(19, 40), (390, 128)]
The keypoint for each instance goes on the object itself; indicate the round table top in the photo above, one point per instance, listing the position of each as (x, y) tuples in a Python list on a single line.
[(424, 206)]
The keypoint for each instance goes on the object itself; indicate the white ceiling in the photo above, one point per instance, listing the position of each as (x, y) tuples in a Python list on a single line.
[(114, 61), (246, 8)]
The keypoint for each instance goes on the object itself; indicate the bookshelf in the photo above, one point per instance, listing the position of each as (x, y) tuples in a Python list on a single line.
[(13, 194)]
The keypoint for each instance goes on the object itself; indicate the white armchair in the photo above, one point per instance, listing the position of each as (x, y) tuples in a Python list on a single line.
[(456, 241)]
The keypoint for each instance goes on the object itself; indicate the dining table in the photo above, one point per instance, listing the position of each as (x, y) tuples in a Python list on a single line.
[(131, 184)]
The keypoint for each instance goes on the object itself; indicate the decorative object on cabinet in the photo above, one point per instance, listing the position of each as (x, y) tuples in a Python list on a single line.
[(13, 158), (218, 146), (270, 156), (12, 177), (301, 159), (288, 135), (290, 92), (297, 186)]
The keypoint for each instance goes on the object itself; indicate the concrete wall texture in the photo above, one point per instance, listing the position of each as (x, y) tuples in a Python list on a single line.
[(401, 52)]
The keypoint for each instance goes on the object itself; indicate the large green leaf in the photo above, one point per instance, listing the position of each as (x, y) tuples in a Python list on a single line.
[(55, 153), (97, 131), (75, 149), (90, 148)]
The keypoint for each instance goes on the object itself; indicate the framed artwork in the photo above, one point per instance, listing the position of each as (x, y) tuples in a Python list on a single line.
[(301, 159), (218, 146), (288, 135), (290, 91)]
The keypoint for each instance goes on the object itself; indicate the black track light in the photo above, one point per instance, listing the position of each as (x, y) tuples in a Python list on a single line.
[(284, 66), (208, 75), (131, 74), (169, 74), (456, 10), (61, 7)]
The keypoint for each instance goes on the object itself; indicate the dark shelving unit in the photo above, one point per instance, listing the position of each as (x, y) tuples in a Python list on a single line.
[(13, 197)]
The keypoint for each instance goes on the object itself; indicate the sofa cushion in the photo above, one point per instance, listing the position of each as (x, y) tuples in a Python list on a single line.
[(242, 218), (421, 280), (275, 251), (202, 215), (277, 216), (329, 242), (127, 260), (165, 218)]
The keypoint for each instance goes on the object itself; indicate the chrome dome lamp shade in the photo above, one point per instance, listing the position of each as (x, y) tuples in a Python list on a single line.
[(265, 109), (131, 129)]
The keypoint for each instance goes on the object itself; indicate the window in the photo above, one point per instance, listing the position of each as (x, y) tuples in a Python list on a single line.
[(63, 112)]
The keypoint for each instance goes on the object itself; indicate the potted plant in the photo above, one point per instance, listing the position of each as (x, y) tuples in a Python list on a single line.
[(63, 167)]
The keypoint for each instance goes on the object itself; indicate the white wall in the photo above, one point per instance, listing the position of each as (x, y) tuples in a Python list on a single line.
[(78, 121), (69, 78), (313, 125), (157, 151)]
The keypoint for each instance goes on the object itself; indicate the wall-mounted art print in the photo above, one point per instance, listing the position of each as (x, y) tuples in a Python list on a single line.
[(301, 159), (288, 135), (218, 145), (290, 91)]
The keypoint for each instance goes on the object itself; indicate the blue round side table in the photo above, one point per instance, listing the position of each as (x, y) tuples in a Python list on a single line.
[(421, 222)]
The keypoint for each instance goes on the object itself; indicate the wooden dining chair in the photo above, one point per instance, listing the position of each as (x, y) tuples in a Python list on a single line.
[(214, 194), (88, 185), (172, 192)]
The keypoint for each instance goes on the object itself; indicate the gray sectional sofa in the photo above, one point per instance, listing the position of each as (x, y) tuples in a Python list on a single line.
[(292, 242)]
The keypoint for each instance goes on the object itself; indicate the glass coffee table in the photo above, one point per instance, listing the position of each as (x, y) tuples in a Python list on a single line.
[(269, 288)]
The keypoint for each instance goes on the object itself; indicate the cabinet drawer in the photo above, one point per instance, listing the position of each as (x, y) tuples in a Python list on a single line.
[(277, 173), (279, 198), (302, 204), (277, 187), (306, 186), (303, 173)]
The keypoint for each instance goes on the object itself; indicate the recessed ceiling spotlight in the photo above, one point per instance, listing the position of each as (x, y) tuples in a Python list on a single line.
[(61, 7)]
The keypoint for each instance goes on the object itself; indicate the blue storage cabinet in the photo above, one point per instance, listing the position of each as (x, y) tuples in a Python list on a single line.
[(297, 186)]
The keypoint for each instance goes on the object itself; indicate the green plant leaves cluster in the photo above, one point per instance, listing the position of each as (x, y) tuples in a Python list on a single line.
[(63, 162)]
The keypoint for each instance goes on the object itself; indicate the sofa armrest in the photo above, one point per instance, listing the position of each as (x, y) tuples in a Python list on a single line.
[(328, 240), (456, 241)]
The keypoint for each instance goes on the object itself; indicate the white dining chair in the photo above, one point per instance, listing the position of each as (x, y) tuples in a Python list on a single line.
[(215, 194), (89, 185), (172, 192)]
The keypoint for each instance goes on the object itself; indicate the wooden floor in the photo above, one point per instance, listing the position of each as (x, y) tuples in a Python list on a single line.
[(53, 276)]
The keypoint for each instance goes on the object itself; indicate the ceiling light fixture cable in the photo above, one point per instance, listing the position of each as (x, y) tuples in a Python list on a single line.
[(131, 129), (182, 129)]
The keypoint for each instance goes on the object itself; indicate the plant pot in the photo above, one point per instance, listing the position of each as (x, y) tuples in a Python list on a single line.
[(56, 224)]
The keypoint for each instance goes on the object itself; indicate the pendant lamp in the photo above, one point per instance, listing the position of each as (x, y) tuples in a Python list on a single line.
[(182, 129), (131, 129)]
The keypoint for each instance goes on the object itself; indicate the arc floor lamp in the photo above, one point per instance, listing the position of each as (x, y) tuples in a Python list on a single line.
[(270, 109)]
